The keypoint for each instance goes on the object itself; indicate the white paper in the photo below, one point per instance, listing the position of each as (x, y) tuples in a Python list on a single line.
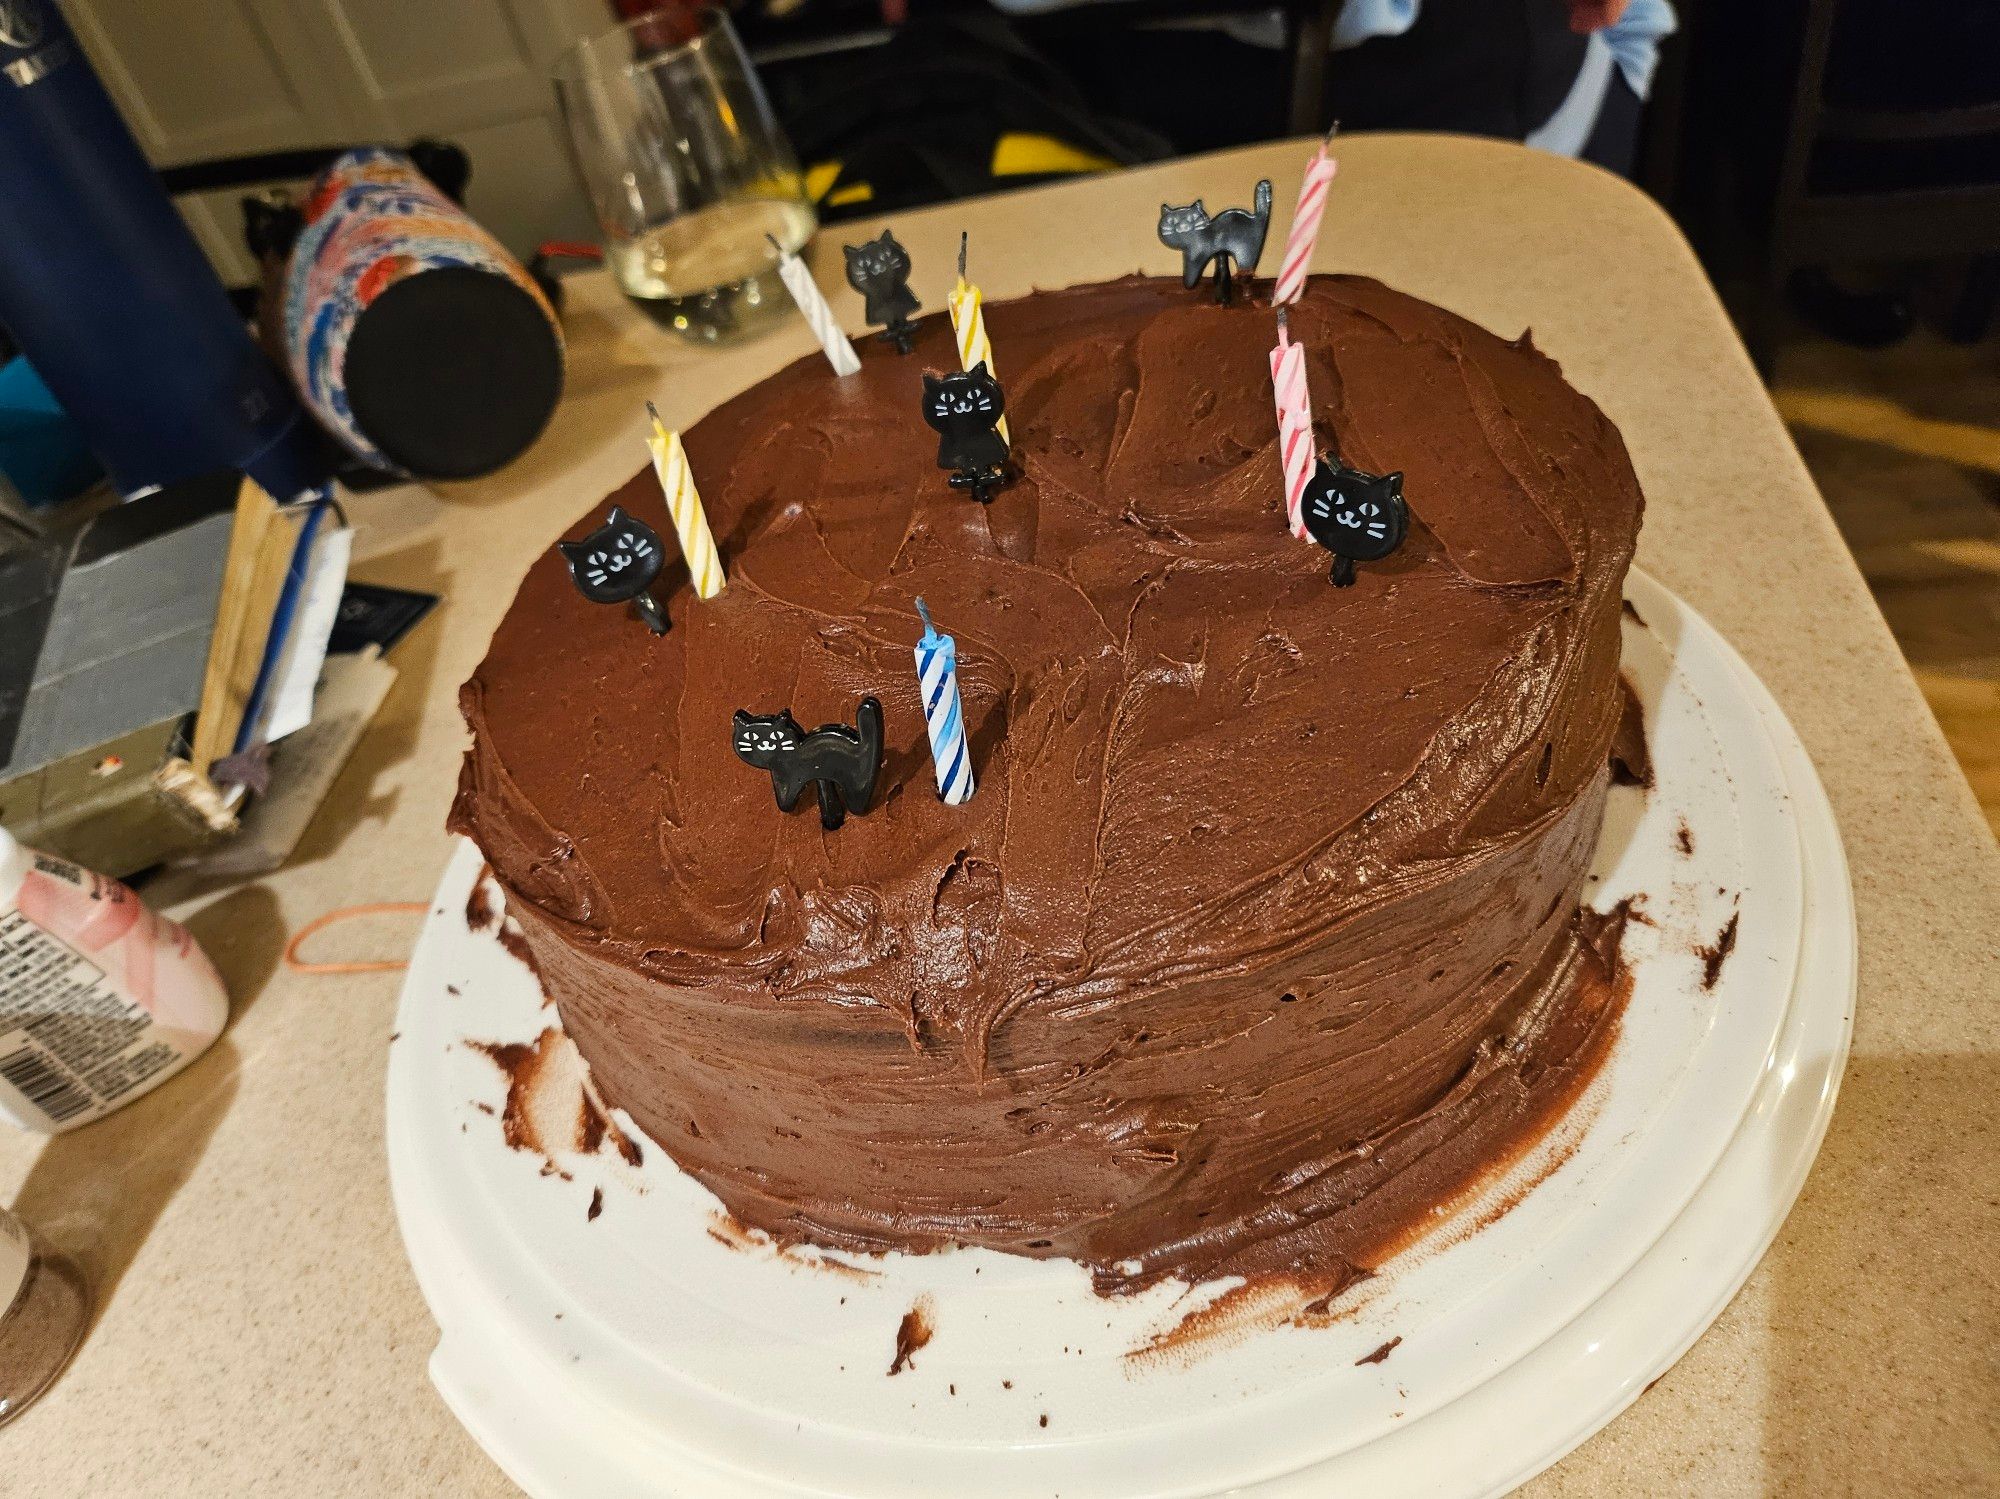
[(312, 626)]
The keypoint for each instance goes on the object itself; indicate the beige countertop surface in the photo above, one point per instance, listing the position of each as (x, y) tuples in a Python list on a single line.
[(260, 1331)]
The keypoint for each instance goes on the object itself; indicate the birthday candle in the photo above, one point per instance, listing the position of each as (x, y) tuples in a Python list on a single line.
[(684, 505), (1295, 427), (805, 291), (968, 322), (944, 715), (1304, 232), (1288, 372)]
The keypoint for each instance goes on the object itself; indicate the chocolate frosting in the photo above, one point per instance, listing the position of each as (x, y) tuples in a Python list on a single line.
[(1260, 936)]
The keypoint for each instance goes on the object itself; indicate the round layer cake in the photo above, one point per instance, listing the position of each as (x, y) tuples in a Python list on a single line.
[(1260, 938)]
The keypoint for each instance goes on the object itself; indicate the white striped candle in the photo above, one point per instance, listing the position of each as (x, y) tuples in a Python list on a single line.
[(968, 325), (1304, 233), (1295, 426), (819, 316), (670, 463), (944, 714)]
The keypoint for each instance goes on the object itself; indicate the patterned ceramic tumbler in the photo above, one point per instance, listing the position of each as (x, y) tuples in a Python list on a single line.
[(412, 333)]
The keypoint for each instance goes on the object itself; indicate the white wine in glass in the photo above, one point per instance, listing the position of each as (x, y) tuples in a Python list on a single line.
[(712, 272)]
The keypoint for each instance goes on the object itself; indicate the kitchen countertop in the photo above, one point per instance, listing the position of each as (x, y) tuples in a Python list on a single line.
[(260, 1331)]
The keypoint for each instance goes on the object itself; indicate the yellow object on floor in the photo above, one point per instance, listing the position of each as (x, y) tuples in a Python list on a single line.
[(820, 180), (1017, 154), (1905, 445)]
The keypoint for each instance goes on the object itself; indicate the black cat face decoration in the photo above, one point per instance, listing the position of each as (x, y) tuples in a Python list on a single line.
[(839, 761), (1358, 517), (761, 739), (616, 564), (1232, 240), (880, 271), (964, 408)]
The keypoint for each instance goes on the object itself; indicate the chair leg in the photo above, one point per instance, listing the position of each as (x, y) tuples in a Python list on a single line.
[(1312, 33), (1803, 111), (1764, 325), (1972, 313)]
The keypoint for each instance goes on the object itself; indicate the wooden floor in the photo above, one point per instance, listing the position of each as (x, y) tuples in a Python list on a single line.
[(1905, 444)]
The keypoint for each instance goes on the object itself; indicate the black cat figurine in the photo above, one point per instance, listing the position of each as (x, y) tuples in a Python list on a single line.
[(964, 408), (841, 762), (618, 562), (1358, 517), (1233, 239), (880, 271)]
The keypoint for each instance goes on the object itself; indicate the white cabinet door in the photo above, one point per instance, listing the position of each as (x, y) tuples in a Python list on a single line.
[(207, 78)]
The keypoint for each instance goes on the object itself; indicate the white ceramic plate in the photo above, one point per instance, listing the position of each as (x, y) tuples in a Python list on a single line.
[(637, 1353)]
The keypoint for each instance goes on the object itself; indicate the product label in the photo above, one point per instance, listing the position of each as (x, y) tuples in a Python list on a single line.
[(70, 1043), (99, 997)]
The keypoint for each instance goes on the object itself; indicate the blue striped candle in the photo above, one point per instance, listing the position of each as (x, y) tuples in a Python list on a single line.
[(944, 716)]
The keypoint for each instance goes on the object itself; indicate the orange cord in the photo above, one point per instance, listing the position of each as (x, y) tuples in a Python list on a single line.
[(374, 965)]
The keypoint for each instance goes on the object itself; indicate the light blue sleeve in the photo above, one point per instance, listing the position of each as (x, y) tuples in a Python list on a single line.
[(1364, 20), (1634, 39)]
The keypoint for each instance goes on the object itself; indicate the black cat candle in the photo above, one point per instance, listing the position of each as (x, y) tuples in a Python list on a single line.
[(1358, 517), (1232, 240), (880, 271), (616, 564), (964, 408), (840, 762)]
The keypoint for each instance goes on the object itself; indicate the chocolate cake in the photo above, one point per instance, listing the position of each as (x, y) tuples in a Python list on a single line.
[(1261, 936)]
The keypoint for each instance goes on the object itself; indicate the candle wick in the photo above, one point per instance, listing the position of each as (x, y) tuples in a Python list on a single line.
[(775, 245), (1284, 326), (654, 412), (925, 614), (1331, 131), (963, 236)]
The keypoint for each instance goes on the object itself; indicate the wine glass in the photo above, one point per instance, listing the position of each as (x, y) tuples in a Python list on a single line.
[(44, 1309), (686, 169)]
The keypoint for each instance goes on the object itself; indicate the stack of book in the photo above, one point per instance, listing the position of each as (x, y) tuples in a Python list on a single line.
[(149, 659)]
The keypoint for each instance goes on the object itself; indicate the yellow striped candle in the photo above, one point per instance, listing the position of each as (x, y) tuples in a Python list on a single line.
[(968, 322), (684, 505)]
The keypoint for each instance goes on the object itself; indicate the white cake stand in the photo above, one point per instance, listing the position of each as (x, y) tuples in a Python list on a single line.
[(647, 1348)]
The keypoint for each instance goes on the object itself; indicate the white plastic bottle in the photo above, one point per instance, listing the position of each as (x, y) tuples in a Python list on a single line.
[(100, 999)]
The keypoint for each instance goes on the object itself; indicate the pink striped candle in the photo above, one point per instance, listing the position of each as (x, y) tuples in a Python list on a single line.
[(1295, 425), (1305, 226)]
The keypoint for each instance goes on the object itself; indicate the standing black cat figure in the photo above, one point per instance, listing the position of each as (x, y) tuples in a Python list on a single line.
[(880, 271), (840, 762), (1358, 517), (964, 408), (618, 562), (1233, 239)]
